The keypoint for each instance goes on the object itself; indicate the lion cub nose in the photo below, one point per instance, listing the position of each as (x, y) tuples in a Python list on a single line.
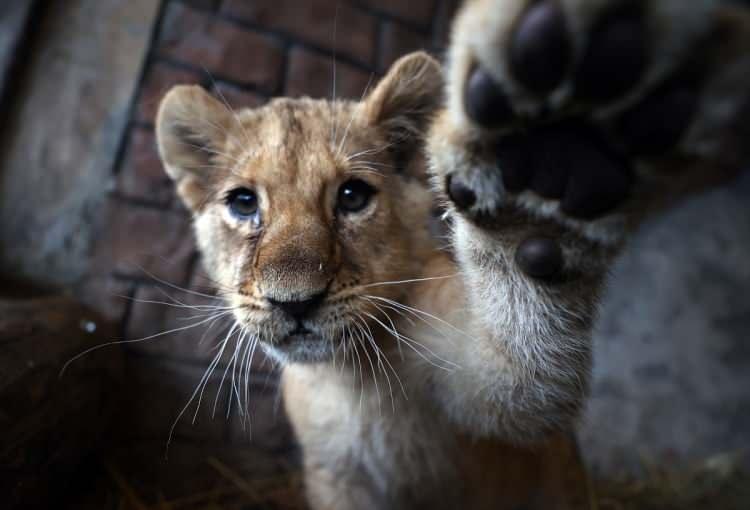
[(300, 308)]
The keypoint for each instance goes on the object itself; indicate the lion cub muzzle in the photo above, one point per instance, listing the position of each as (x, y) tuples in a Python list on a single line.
[(295, 263)]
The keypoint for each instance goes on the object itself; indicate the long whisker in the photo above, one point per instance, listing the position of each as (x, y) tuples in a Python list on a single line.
[(375, 150), (405, 317), (370, 163), (361, 341), (338, 345), (354, 113), (177, 304), (221, 129), (174, 286), (413, 344), (215, 284), (359, 364), (411, 280), (363, 171), (229, 109), (213, 152), (208, 166), (382, 356), (136, 340), (201, 384), (381, 307), (208, 329), (234, 390), (237, 347), (200, 397), (248, 366), (420, 314), (344, 345), (334, 125)]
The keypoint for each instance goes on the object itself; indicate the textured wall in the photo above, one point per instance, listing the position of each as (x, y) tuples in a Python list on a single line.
[(61, 132), (672, 367)]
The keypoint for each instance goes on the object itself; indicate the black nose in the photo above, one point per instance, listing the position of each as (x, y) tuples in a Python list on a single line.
[(298, 309)]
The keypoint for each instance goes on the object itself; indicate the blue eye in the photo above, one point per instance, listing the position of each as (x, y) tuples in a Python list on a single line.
[(243, 203)]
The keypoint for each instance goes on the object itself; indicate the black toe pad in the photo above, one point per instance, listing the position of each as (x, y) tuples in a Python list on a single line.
[(659, 121), (540, 50), (615, 58), (484, 100), (461, 195)]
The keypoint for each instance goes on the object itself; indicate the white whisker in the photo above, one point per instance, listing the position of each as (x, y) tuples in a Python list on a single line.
[(248, 366), (237, 347), (413, 344), (361, 341), (201, 384), (174, 286), (230, 110), (134, 341), (412, 280), (334, 125), (354, 113), (376, 150), (380, 353), (359, 364), (420, 314), (177, 304), (213, 152)]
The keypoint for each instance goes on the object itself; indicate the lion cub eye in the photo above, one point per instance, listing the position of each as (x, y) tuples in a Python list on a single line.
[(243, 203), (354, 195)]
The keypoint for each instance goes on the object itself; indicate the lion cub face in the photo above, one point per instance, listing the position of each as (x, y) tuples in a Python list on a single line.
[(301, 208)]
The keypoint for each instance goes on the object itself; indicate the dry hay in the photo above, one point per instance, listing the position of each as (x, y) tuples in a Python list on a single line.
[(719, 483)]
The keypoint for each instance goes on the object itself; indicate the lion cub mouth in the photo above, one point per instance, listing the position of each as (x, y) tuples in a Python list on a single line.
[(301, 345), (301, 334)]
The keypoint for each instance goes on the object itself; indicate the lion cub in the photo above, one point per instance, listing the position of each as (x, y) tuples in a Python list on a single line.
[(419, 377)]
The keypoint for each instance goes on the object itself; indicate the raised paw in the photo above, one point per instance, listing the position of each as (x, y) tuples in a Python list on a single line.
[(565, 108)]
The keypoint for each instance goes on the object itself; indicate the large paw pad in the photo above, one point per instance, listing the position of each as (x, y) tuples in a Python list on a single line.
[(540, 257)]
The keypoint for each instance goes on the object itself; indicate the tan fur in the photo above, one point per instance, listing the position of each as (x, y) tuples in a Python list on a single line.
[(468, 398)]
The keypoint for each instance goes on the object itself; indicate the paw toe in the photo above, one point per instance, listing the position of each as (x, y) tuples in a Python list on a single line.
[(539, 257), (659, 121), (484, 100), (615, 58), (540, 50), (460, 194)]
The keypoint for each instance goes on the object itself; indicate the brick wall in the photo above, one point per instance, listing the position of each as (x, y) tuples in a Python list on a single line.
[(248, 51)]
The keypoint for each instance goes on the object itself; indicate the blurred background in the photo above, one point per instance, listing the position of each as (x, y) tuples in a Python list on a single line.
[(92, 239)]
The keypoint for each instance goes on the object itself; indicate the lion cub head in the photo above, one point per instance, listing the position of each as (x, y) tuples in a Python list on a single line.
[(303, 208)]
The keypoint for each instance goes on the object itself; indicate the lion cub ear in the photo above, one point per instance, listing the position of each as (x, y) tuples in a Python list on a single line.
[(406, 98), (191, 129)]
